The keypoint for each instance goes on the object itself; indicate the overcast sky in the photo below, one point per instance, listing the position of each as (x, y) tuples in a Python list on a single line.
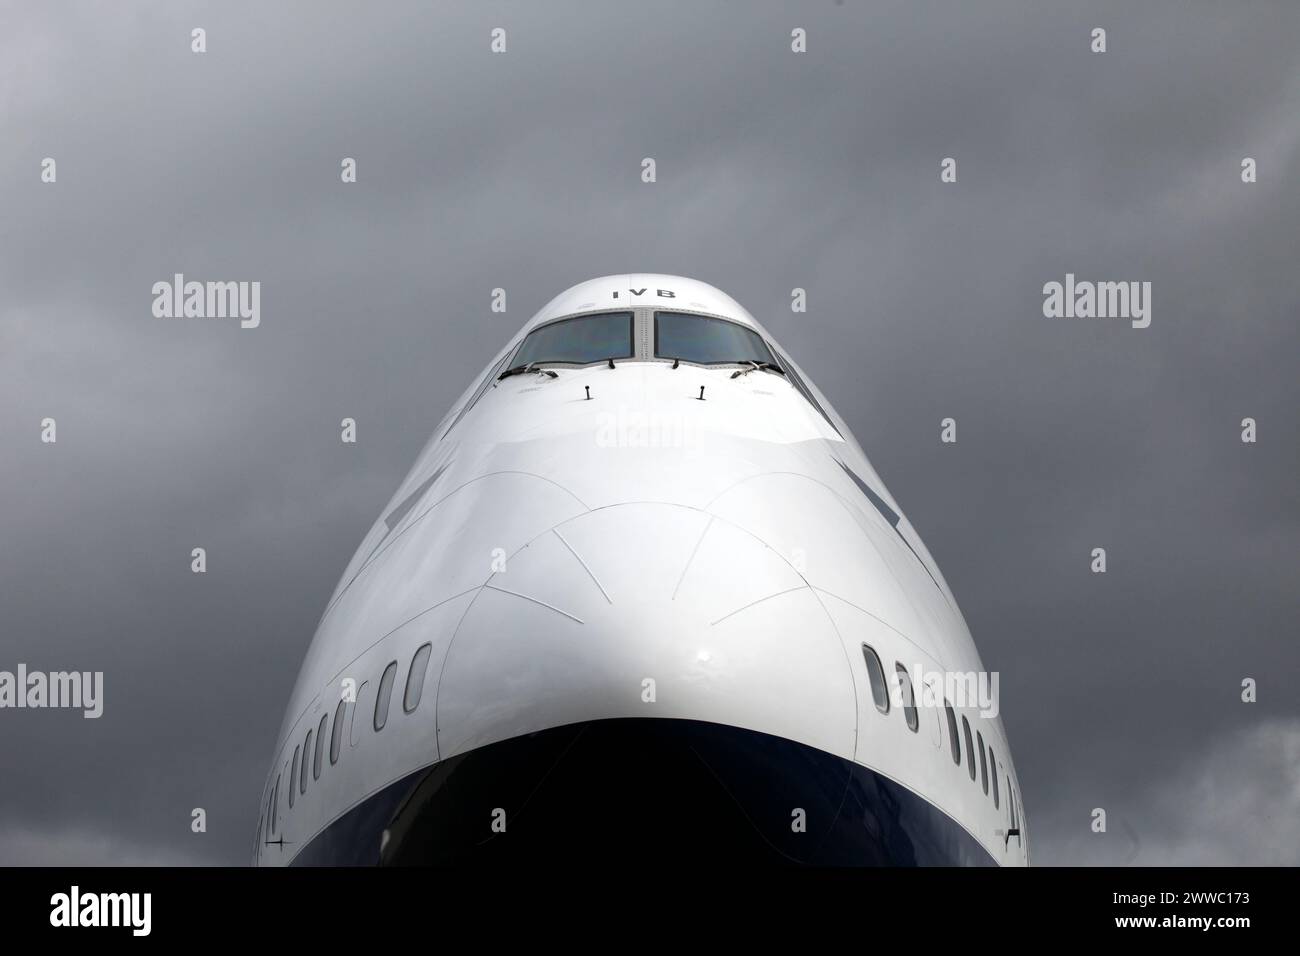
[(775, 170)]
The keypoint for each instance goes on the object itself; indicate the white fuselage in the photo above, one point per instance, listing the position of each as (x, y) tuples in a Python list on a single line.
[(603, 543)]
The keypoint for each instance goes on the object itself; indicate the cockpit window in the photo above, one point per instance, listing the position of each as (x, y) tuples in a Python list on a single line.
[(806, 392), (578, 341), (707, 341)]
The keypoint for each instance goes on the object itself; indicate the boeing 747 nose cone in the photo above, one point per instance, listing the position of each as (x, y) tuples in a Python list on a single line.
[(642, 592)]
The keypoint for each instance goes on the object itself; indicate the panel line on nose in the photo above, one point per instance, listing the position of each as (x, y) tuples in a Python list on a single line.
[(759, 601), (525, 597), (590, 573), (691, 559)]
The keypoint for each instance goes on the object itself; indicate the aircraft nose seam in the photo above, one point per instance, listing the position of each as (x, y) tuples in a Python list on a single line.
[(585, 567), (691, 560), (524, 597), (746, 607)]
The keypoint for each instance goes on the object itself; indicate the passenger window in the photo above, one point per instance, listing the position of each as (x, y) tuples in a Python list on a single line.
[(909, 701), (993, 772), (336, 735), (578, 341), (302, 777), (415, 678), (359, 706), (707, 341), (876, 677), (384, 693), (984, 769), (275, 802), (970, 746), (952, 733), (320, 746), (293, 773)]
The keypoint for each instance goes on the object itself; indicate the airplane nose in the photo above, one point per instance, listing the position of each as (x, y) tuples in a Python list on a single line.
[(652, 611)]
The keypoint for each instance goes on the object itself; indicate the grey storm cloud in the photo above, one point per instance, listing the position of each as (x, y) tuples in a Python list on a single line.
[(775, 171)]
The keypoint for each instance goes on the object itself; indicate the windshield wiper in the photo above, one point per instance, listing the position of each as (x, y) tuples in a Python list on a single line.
[(524, 369), (757, 367)]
